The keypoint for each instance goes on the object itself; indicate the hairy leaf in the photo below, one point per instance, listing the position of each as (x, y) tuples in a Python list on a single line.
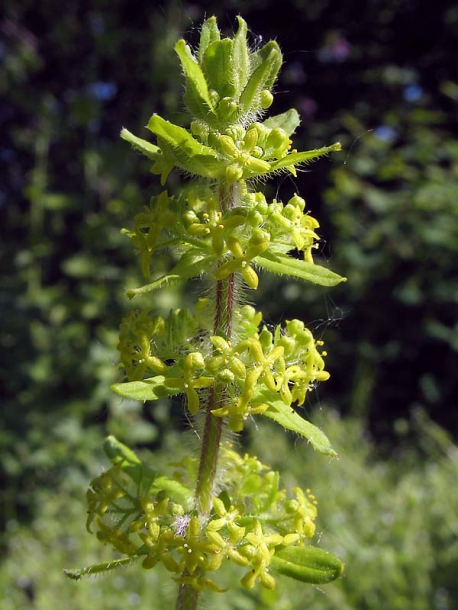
[(142, 146), (99, 568), (290, 419), (219, 67), (264, 75), (149, 389), (118, 452), (209, 32), (308, 564), (197, 94), (159, 283), (295, 158), (289, 121), (241, 56), (186, 152), (283, 264)]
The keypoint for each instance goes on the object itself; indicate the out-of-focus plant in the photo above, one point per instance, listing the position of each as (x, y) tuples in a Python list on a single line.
[(65, 186), (219, 505), (394, 207), (407, 557), (409, 560)]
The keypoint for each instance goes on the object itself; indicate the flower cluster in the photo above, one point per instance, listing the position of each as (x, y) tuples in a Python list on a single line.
[(227, 88), (252, 234), (170, 356), (145, 516), (219, 356)]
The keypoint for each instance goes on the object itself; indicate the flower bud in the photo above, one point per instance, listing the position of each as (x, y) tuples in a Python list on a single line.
[(233, 173), (250, 276), (200, 130), (228, 146), (227, 109), (238, 368), (250, 139), (226, 376), (236, 132), (297, 202), (278, 139), (266, 98)]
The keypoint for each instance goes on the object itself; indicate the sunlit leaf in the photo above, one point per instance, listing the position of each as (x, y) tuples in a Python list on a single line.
[(287, 265), (290, 419), (308, 564)]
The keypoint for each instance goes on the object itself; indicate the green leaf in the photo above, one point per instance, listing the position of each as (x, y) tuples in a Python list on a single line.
[(193, 263), (149, 389), (290, 419), (306, 156), (164, 280), (289, 121), (197, 93), (209, 32), (142, 146), (99, 568), (218, 66), (186, 152), (308, 564), (175, 490), (264, 75), (118, 452), (286, 265), (241, 57)]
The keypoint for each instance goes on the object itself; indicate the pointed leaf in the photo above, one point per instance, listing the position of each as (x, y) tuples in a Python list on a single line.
[(305, 157), (164, 280), (118, 452), (186, 152), (290, 419), (175, 490), (264, 74), (209, 32), (142, 146), (99, 568), (193, 263), (218, 66), (197, 93), (241, 56), (148, 389), (289, 121), (308, 564), (286, 265)]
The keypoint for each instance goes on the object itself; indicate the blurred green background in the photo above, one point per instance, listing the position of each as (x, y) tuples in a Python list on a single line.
[(381, 77)]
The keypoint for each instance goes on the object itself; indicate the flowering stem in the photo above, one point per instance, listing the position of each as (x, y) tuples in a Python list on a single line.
[(217, 397), (187, 598), (222, 229), (218, 394)]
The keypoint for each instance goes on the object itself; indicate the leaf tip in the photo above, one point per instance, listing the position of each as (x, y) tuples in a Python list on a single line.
[(73, 574)]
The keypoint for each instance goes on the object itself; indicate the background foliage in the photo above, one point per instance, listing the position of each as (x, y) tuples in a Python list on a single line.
[(378, 76)]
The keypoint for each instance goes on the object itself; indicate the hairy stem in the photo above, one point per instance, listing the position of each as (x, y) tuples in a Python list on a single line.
[(187, 598), (218, 394), (217, 397)]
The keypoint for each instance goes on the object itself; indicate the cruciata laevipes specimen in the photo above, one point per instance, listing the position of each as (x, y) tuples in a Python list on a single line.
[(229, 367)]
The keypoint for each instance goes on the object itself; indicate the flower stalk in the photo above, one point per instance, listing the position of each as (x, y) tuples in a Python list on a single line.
[(228, 366)]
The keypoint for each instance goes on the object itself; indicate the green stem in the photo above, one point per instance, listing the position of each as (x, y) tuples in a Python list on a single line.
[(217, 397), (218, 394), (187, 598)]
